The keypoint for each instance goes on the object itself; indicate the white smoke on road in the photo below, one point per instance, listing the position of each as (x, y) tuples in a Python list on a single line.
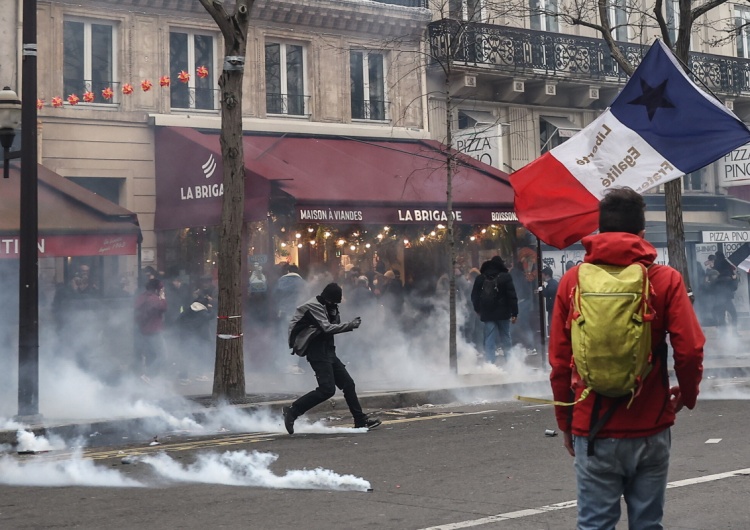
[(232, 468), (29, 442), (71, 471), (265, 420), (242, 468)]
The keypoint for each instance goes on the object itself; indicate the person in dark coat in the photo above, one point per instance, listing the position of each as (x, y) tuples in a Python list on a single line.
[(497, 307), (311, 334), (549, 290), (724, 286)]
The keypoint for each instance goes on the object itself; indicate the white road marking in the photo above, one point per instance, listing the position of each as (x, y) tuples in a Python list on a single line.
[(713, 440), (572, 504)]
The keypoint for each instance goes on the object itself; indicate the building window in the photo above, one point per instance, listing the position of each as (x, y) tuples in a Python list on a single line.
[(693, 181), (742, 22), (618, 16), (368, 85), (108, 187), (285, 79), (88, 64), (544, 15), (673, 18), (187, 52), (468, 10)]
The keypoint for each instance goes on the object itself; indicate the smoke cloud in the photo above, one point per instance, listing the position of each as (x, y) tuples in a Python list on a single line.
[(242, 468)]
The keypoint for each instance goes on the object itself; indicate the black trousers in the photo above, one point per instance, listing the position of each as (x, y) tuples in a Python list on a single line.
[(330, 376)]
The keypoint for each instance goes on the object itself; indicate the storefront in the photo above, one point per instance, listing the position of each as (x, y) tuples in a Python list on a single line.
[(88, 263), (330, 204), (75, 227)]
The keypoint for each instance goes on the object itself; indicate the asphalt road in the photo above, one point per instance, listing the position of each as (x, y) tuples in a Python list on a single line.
[(486, 466)]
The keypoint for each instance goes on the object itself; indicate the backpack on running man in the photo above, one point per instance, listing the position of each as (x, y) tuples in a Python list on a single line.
[(490, 293), (610, 330)]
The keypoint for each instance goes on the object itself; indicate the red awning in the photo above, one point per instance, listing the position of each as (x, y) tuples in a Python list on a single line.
[(189, 181), (72, 220), (337, 180)]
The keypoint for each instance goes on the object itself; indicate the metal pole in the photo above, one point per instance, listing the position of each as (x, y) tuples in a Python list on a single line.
[(540, 297), (28, 323)]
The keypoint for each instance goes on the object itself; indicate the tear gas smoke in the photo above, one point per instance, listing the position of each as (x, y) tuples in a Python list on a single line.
[(388, 352), (28, 441), (73, 471), (242, 468)]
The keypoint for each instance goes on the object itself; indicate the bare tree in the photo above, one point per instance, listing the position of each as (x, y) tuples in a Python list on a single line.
[(229, 370)]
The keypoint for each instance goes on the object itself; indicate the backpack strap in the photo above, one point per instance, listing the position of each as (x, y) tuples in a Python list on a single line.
[(597, 423)]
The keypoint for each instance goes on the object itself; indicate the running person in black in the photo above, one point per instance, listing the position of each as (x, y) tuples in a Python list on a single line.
[(311, 334)]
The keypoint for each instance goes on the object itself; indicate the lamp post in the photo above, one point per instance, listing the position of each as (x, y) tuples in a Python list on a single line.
[(10, 118), (28, 307)]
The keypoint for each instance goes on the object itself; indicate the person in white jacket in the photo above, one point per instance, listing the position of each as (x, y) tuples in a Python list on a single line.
[(311, 334)]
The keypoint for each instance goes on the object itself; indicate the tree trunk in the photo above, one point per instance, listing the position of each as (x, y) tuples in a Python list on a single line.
[(676, 231), (451, 239), (229, 371), (229, 368)]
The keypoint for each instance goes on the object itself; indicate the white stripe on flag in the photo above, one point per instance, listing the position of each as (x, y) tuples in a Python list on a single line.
[(607, 154)]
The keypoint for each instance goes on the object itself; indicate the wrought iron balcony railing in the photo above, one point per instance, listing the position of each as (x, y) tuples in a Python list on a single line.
[(289, 104), (369, 109), (525, 52), (404, 3), (183, 97)]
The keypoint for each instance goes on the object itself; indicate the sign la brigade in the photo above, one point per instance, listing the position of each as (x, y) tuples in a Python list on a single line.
[(427, 215)]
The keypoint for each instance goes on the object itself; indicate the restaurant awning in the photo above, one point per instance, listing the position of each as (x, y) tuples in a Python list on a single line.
[(333, 180), (189, 181), (72, 220)]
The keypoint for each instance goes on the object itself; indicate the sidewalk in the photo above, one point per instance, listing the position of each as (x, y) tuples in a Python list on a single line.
[(724, 357)]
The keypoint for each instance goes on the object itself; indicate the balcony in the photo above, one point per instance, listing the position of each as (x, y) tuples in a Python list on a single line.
[(369, 109), (404, 3), (184, 97), (529, 53), (287, 104)]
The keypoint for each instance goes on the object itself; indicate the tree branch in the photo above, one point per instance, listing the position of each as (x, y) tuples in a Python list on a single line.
[(703, 9), (659, 16), (219, 14), (606, 31)]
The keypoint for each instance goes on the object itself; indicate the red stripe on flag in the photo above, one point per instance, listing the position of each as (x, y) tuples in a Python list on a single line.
[(552, 203)]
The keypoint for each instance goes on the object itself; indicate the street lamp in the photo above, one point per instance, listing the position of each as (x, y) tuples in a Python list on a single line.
[(10, 118)]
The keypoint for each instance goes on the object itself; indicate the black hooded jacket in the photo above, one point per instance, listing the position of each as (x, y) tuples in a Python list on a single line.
[(506, 303)]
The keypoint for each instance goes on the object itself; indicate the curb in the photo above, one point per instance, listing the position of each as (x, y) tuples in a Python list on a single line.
[(383, 400)]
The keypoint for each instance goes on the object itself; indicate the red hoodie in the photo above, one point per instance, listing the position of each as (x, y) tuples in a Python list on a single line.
[(651, 411)]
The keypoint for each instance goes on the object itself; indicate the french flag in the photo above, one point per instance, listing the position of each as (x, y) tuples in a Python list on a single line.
[(660, 127)]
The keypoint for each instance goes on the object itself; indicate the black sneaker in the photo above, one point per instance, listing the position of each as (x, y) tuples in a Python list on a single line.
[(289, 418), (368, 423)]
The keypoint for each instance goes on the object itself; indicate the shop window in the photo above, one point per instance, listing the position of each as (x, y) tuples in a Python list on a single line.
[(544, 15), (742, 23), (285, 79), (554, 130), (187, 52), (367, 71), (88, 59)]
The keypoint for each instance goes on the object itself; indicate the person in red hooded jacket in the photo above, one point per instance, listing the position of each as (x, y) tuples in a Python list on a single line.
[(631, 454)]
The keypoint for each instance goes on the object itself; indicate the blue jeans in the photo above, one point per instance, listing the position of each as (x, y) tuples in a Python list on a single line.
[(496, 334), (635, 468)]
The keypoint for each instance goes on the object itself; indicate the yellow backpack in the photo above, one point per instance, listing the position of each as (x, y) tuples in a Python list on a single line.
[(610, 330)]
